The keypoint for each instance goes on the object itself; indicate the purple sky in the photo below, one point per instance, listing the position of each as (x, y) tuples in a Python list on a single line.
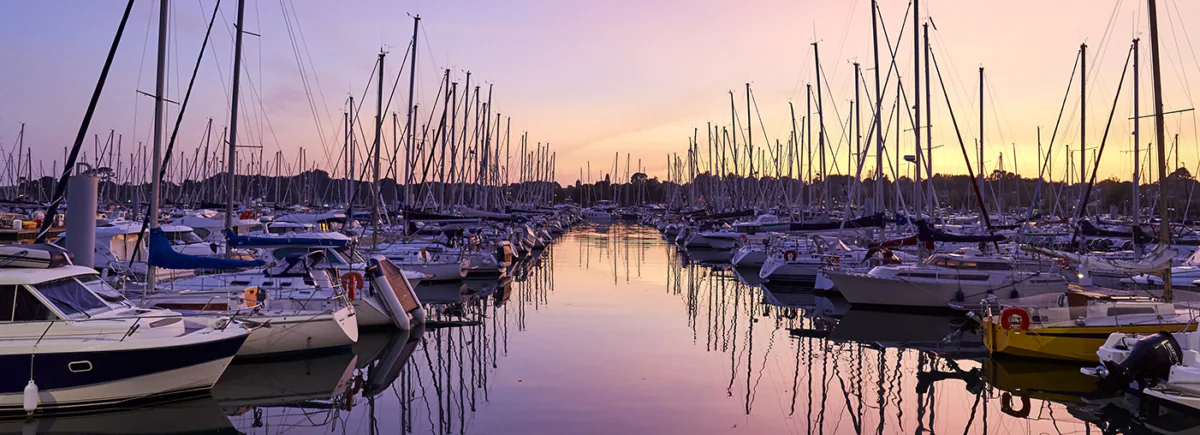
[(599, 78)]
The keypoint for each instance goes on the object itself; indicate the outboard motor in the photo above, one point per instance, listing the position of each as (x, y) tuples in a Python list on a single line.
[(1149, 362)]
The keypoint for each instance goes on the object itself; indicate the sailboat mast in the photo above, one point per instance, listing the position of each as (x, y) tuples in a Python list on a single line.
[(159, 85), (858, 155), (1082, 114), (879, 205), (1137, 144), (821, 133), (231, 164), (376, 194), (412, 83), (980, 163), (929, 125), (917, 106), (1164, 226)]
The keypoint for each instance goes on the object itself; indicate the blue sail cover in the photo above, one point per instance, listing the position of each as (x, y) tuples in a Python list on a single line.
[(260, 242), (164, 256)]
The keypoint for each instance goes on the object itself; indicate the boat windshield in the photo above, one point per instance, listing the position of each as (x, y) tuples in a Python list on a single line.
[(183, 237), (71, 297), (101, 288)]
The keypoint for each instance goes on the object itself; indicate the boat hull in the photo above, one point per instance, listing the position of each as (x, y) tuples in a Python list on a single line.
[(866, 290), (116, 376), (1074, 343), (301, 332)]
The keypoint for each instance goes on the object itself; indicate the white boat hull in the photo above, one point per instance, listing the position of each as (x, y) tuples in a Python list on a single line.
[(301, 332), (194, 378), (862, 289)]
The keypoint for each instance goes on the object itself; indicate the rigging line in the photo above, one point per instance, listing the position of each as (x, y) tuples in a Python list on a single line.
[(802, 73), (142, 65), (1178, 68), (316, 78), (1054, 133), (966, 157), (303, 76), (845, 32), (838, 145), (69, 163), (1188, 40)]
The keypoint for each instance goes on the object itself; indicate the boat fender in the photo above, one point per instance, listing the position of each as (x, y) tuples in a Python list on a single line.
[(1014, 294), (1008, 313), (1006, 405), (959, 296), (790, 255), (31, 397), (352, 281), (250, 295)]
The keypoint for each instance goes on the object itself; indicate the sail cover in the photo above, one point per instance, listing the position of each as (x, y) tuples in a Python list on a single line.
[(927, 233), (1155, 262), (164, 256), (1088, 229), (875, 220)]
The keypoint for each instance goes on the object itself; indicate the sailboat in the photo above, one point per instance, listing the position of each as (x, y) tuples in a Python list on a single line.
[(1086, 320)]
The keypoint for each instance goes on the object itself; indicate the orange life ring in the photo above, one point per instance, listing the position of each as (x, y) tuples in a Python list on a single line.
[(248, 214), (1062, 263), (790, 255), (352, 281), (1006, 318), (1006, 405)]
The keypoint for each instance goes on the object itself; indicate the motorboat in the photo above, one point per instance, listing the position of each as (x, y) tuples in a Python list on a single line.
[(83, 344), (1164, 365)]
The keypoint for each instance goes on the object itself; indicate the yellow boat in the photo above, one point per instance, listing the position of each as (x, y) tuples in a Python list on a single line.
[(1079, 325)]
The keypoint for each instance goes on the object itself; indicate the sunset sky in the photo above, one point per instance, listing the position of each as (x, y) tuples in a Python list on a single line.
[(599, 78)]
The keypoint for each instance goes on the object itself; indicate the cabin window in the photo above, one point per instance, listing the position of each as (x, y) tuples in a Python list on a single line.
[(994, 266), (203, 233), (183, 237), (239, 283), (17, 304), (70, 297), (972, 277)]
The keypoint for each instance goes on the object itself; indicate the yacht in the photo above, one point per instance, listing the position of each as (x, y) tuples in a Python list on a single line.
[(299, 306), (801, 260), (1164, 365), (83, 344), (964, 277), (419, 258)]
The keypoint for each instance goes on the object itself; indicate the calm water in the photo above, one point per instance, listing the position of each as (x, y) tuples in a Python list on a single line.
[(613, 330)]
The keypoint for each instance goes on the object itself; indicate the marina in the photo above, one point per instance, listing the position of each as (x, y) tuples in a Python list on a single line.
[(614, 329), (240, 249)]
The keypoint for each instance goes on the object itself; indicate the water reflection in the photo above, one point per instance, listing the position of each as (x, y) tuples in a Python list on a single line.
[(613, 330)]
